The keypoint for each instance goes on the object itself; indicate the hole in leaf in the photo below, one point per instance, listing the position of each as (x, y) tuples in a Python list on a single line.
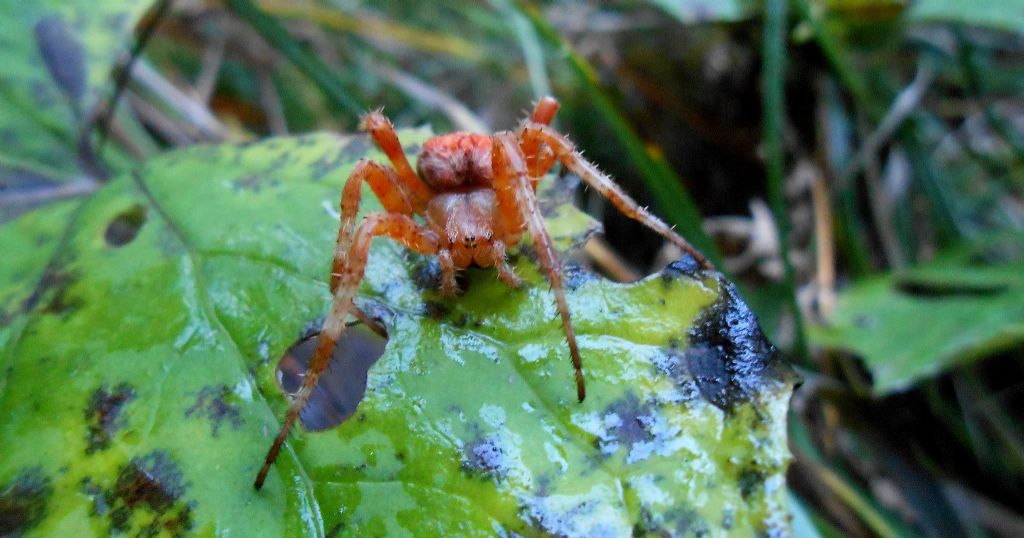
[(123, 229), (343, 385)]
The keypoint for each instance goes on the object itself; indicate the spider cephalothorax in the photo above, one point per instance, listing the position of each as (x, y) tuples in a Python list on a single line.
[(476, 195)]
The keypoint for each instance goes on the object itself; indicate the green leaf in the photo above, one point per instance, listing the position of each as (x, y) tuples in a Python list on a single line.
[(29, 244), (803, 524), (140, 392), (705, 11), (965, 305), (1007, 15), (57, 57)]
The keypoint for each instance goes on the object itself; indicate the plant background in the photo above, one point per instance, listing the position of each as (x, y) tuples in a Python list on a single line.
[(856, 166)]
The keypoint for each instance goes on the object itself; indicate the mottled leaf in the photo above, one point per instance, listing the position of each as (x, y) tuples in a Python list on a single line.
[(140, 393), (908, 326), (29, 244)]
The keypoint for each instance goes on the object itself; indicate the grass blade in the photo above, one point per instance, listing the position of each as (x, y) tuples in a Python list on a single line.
[(670, 196), (774, 95), (310, 65)]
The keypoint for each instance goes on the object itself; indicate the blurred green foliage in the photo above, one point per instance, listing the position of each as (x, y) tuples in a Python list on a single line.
[(897, 126)]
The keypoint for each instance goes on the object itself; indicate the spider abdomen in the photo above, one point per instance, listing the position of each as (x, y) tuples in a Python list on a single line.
[(455, 161)]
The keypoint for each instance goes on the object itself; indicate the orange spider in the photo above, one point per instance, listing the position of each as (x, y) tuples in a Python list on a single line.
[(477, 195)]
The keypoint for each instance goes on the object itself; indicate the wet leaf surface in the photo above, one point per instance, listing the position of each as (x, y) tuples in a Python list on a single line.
[(967, 304), (139, 390)]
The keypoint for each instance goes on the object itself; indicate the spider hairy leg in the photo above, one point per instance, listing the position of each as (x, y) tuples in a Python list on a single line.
[(398, 227), (449, 286), (505, 272), (540, 158), (383, 133), (510, 176), (385, 184), (588, 172), (544, 111)]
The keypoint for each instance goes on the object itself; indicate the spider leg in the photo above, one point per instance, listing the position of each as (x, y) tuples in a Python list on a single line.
[(540, 158), (398, 227), (544, 111), (385, 184), (383, 133), (373, 324), (589, 173), (505, 272), (449, 286), (512, 184)]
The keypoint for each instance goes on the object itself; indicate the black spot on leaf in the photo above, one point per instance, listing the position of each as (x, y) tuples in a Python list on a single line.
[(562, 520), (125, 226), (147, 499), (633, 420), (96, 494), (23, 501), (728, 518), (687, 522), (251, 183), (62, 54), (355, 149), (435, 310), (528, 251), (676, 521), (575, 275), (335, 530), (427, 275), (728, 356), (103, 415), (485, 457), (461, 321), (685, 267), (214, 402), (61, 304), (751, 479), (281, 161), (707, 366), (327, 164), (53, 287)]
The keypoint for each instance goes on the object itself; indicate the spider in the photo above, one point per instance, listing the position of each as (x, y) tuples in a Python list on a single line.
[(476, 194)]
